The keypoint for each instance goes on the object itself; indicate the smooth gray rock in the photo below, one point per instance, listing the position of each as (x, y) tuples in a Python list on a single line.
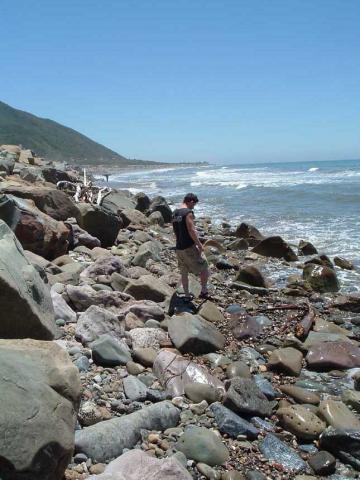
[(110, 352), (245, 397), (193, 334), (40, 394), (202, 445), (231, 423), (134, 389), (61, 308), (276, 450), (26, 305), (106, 440)]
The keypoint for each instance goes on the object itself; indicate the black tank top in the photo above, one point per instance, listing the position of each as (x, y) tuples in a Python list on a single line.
[(183, 239)]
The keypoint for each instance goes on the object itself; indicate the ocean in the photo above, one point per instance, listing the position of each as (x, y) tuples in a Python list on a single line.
[(315, 201)]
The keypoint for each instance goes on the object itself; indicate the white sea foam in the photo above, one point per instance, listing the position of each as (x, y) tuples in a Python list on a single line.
[(313, 169)]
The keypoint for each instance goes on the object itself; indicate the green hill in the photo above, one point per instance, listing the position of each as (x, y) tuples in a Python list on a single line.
[(53, 141)]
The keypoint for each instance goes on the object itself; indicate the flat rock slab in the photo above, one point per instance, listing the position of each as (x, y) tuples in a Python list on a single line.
[(245, 397), (202, 445), (277, 451), (137, 465), (174, 372), (333, 355), (193, 334), (26, 305), (231, 423), (106, 440), (286, 360)]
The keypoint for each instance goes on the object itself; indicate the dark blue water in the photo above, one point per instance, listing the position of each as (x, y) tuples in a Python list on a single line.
[(316, 201)]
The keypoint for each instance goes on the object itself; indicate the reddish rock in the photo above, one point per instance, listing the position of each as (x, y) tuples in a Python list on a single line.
[(35, 230), (333, 355)]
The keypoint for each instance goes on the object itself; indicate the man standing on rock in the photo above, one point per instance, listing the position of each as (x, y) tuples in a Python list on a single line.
[(188, 247)]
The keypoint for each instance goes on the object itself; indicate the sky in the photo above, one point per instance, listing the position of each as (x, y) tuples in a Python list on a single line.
[(190, 80)]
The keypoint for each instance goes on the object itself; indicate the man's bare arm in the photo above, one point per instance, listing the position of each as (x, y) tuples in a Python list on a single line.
[(192, 231)]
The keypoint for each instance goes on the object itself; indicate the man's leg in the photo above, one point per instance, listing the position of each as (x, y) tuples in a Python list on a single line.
[(185, 282), (204, 276)]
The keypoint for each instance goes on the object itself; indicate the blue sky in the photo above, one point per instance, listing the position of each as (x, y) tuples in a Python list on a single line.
[(186, 80)]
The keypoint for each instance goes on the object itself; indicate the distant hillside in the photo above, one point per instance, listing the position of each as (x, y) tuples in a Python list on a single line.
[(53, 141)]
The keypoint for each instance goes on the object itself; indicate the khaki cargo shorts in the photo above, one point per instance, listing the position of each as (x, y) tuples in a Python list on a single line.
[(190, 260)]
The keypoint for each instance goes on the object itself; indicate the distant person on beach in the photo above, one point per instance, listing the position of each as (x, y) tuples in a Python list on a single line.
[(188, 247)]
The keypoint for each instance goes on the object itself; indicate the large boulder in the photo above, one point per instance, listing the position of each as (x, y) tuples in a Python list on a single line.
[(321, 278), (35, 230), (137, 465), (142, 202), (159, 204), (49, 200), (252, 276), (106, 440), (193, 334), (55, 175), (275, 247), (133, 218), (26, 306), (250, 233), (118, 200), (306, 248), (40, 393), (100, 222)]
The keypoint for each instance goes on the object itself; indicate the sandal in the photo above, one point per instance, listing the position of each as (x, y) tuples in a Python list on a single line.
[(205, 295)]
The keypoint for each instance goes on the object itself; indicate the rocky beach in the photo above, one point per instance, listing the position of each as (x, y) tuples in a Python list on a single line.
[(98, 381)]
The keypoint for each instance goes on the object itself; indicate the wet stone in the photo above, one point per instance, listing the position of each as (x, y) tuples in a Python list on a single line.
[(300, 395), (323, 463)]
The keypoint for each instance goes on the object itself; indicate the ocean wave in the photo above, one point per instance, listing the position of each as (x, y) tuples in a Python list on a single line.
[(313, 169)]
